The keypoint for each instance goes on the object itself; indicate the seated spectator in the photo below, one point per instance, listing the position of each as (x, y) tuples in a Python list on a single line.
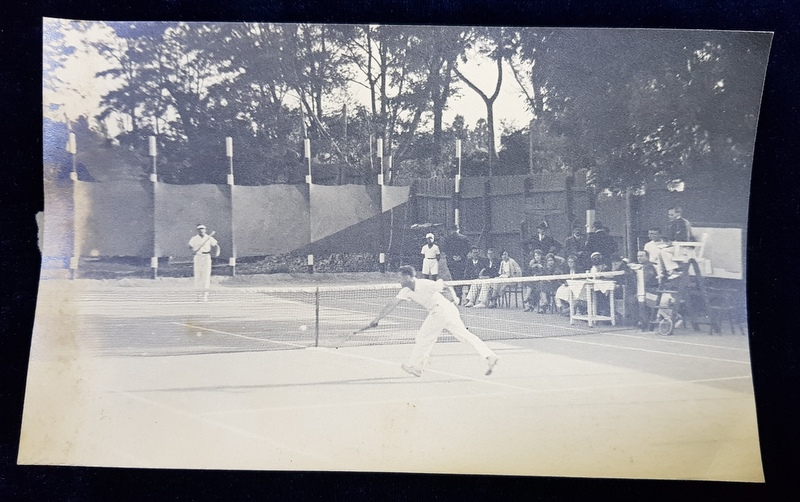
[(626, 285), (508, 268), (653, 246), (475, 263), (562, 296), (492, 263), (531, 290), (668, 269), (478, 296), (547, 289), (597, 263), (646, 285)]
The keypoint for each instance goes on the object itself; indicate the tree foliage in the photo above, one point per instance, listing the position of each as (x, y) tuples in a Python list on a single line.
[(633, 106)]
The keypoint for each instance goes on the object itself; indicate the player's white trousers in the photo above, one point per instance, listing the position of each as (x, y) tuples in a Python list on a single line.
[(430, 266), (202, 271), (443, 317)]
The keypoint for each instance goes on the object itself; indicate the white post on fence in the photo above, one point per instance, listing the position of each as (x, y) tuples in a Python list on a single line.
[(229, 154), (153, 151), (456, 210), (72, 148), (307, 153), (379, 153)]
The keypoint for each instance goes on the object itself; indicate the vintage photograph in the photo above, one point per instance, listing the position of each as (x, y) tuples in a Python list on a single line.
[(396, 248)]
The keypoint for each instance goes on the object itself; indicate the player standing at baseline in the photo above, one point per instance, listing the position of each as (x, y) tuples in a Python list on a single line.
[(202, 245), (442, 314), (430, 260)]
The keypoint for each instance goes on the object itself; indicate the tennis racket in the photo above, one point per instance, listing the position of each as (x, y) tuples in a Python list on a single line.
[(208, 236), (347, 338)]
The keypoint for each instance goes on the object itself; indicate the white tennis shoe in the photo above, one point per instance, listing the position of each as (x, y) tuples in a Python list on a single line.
[(411, 369), (492, 360)]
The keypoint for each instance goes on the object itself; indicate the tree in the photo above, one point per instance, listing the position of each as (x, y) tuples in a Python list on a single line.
[(497, 44)]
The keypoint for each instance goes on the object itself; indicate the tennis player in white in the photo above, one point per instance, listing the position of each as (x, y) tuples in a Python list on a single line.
[(442, 314), (202, 246), (430, 258)]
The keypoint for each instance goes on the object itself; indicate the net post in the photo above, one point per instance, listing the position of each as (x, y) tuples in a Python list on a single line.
[(316, 317)]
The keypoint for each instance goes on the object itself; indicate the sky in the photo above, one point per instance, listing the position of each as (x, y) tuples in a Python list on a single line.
[(81, 92)]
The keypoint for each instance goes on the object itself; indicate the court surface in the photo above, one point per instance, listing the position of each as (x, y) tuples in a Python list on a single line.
[(163, 381)]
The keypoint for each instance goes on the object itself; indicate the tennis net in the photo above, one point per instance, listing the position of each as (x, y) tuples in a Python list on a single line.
[(148, 320)]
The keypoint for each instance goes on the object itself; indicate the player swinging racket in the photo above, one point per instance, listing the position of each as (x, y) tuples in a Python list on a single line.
[(442, 314), (203, 245)]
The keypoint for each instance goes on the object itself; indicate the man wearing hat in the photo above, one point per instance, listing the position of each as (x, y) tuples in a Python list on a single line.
[(600, 241), (544, 241), (430, 259), (203, 245)]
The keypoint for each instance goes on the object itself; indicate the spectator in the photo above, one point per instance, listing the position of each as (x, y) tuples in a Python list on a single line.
[(456, 251), (475, 264), (571, 267), (626, 284), (531, 290), (492, 264), (544, 241), (508, 268), (646, 284), (679, 228), (668, 270), (601, 242), (492, 270), (597, 263), (653, 246), (576, 245), (547, 289)]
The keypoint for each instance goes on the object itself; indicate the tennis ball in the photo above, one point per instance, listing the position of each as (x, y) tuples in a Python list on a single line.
[(199, 334), (303, 327)]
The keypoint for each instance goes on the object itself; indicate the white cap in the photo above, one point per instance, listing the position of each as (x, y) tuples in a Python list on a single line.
[(429, 235), (200, 226)]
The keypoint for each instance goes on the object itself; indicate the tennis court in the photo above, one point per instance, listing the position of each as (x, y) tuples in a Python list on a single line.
[(142, 376)]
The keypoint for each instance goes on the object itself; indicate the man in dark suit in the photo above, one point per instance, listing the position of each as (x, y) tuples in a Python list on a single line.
[(472, 270), (601, 242), (544, 241), (576, 245), (679, 228), (456, 250)]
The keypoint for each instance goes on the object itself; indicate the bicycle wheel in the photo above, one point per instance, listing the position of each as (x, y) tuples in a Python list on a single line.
[(665, 327)]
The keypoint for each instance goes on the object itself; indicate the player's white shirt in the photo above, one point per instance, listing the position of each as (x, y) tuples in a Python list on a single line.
[(200, 247), (426, 293), (430, 252)]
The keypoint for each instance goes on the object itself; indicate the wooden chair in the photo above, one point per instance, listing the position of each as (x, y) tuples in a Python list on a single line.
[(512, 291)]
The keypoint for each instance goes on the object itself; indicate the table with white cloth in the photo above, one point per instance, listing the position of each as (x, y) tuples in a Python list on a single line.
[(584, 289)]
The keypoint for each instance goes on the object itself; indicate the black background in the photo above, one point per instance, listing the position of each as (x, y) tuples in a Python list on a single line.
[(772, 261)]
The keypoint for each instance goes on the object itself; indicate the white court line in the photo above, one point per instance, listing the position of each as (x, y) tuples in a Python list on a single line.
[(512, 389), (680, 342), (573, 340), (237, 335), (224, 426)]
